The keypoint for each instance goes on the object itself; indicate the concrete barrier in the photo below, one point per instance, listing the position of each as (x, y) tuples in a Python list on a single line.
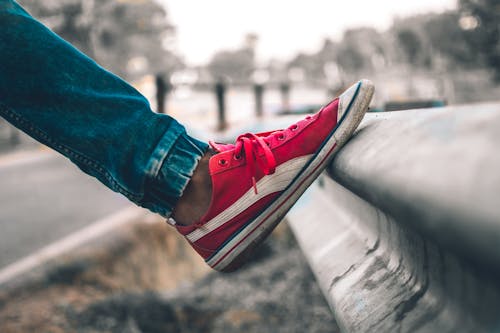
[(403, 231)]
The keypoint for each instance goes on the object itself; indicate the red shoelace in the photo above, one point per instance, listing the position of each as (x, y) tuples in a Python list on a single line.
[(256, 148), (251, 144)]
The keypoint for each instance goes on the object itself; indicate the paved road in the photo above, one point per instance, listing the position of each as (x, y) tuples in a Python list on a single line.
[(44, 197)]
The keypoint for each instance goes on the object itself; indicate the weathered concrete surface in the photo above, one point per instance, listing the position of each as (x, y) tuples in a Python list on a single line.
[(405, 236), (379, 276), (435, 170)]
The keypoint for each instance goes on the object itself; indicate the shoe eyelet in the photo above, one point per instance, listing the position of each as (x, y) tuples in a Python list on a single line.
[(237, 157), (222, 162), (308, 117), (281, 137), (294, 127)]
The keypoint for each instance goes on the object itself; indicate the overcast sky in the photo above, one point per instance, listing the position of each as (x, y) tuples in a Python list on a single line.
[(284, 27)]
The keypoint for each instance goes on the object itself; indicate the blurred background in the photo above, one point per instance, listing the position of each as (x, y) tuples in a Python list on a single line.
[(217, 66), (432, 52)]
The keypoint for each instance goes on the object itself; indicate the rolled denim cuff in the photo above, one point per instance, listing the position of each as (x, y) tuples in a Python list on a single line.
[(172, 166)]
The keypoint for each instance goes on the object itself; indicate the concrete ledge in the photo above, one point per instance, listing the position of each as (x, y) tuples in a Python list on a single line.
[(403, 233)]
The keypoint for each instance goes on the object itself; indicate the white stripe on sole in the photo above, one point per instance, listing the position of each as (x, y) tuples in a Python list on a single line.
[(276, 182)]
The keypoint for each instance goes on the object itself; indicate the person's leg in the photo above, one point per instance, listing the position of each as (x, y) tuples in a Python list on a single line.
[(65, 100), (62, 98)]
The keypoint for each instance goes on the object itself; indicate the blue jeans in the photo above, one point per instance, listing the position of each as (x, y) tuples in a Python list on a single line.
[(63, 99)]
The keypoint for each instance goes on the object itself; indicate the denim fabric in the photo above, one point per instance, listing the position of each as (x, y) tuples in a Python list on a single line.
[(65, 100)]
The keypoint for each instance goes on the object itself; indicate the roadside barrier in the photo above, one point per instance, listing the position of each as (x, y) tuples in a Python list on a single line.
[(403, 231)]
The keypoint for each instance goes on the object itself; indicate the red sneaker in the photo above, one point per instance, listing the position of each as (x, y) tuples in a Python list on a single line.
[(257, 180)]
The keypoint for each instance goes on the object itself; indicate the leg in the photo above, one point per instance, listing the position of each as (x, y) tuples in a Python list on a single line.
[(62, 98), (65, 100)]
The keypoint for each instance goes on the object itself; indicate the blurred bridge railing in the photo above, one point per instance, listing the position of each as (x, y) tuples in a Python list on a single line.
[(403, 232)]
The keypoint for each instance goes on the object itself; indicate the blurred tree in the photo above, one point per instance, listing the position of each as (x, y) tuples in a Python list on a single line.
[(361, 50), (480, 20), (350, 57), (358, 49), (328, 52), (310, 66), (448, 40), (410, 44), (130, 38), (237, 65), (68, 18)]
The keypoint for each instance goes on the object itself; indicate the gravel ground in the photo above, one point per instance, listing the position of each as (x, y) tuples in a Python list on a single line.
[(275, 293)]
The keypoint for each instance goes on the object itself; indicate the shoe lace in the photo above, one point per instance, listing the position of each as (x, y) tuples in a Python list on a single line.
[(251, 145), (256, 148)]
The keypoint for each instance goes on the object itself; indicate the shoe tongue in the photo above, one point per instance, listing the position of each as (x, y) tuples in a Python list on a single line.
[(332, 105), (220, 147)]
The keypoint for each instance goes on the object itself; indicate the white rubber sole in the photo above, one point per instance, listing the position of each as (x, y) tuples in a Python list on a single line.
[(232, 254)]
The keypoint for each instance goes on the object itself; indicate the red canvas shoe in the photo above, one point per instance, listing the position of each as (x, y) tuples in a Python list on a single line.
[(257, 180)]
